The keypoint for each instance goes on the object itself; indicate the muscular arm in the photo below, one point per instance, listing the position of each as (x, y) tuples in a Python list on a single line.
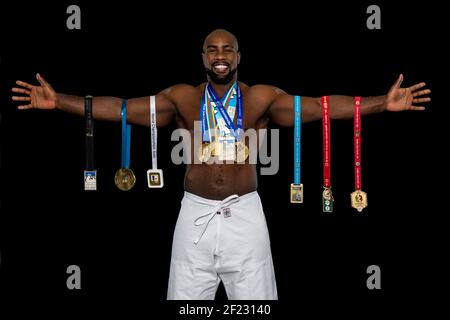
[(341, 107), (104, 108), (109, 108)]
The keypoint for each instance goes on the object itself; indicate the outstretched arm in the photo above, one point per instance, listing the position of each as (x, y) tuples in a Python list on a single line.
[(341, 107), (104, 108)]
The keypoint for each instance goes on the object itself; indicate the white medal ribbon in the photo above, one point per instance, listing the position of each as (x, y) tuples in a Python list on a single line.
[(154, 175), (154, 133)]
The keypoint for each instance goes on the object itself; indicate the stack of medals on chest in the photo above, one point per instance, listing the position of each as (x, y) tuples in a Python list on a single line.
[(220, 137)]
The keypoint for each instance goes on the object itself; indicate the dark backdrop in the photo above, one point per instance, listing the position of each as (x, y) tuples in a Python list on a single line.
[(122, 241)]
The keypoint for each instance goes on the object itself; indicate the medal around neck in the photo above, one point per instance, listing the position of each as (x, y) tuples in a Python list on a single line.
[(241, 152), (217, 115), (225, 148), (205, 152)]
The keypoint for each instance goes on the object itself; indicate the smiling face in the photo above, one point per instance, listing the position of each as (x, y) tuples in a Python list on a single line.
[(221, 56)]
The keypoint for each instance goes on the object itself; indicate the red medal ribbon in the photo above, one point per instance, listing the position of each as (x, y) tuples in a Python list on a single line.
[(326, 141), (357, 141)]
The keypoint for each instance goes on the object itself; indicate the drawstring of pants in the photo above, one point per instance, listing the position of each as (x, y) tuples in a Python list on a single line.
[(206, 218)]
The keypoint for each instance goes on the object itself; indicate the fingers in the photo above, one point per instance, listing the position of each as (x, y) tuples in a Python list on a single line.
[(20, 98), (420, 100), (417, 86), (20, 90), (417, 108), (17, 98), (25, 107), (421, 93), (24, 84), (399, 81), (42, 81)]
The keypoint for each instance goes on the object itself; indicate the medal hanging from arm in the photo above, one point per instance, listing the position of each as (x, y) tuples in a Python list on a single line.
[(358, 197), (90, 174), (125, 178), (154, 175), (327, 197), (297, 186)]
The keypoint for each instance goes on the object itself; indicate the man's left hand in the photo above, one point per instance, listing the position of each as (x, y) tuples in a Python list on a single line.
[(401, 99)]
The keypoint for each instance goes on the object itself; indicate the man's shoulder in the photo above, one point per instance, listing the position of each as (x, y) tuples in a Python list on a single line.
[(182, 87), (261, 90), (180, 90)]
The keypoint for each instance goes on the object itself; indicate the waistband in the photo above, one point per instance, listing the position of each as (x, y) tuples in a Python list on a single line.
[(212, 202)]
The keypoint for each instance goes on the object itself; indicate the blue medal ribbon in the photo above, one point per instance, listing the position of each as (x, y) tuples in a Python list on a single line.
[(297, 137), (239, 114), (126, 137), (235, 130), (206, 133)]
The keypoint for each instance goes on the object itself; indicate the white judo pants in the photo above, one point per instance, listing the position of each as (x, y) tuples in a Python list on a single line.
[(221, 241)]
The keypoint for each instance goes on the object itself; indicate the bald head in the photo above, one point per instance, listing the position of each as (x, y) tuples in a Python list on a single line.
[(221, 56), (220, 35)]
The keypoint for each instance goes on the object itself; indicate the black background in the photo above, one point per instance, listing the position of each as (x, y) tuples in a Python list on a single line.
[(122, 241)]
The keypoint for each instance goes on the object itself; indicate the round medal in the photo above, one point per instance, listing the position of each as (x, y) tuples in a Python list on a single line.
[(241, 152), (204, 152), (124, 179)]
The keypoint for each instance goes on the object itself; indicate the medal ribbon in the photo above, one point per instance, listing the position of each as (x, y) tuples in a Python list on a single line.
[(154, 132), (240, 113), (326, 142), (126, 137), (357, 141), (89, 133), (208, 118), (217, 116), (230, 108), (297, 137), (224, 115), (206, 131)]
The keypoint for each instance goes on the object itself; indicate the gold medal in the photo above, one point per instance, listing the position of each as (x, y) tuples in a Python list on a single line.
[(296, 193), (213, 149), (124, 179), (359, 200), (155, 178), (241, 151), (327, 200), (204, 152)]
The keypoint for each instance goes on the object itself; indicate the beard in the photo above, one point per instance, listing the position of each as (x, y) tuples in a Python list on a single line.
[(221, 79)]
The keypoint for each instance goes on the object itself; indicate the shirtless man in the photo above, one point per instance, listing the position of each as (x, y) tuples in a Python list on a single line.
[(221, 232)]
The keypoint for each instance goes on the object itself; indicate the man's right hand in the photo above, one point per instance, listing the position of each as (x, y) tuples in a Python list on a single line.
[(40, 97)]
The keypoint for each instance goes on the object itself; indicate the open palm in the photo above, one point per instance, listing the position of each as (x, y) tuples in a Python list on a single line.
[(40, 97), (401, 99)]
